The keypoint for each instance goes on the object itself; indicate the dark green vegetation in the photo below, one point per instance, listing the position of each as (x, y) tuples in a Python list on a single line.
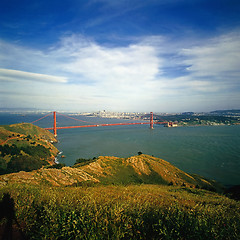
[(233, 192), (22, 158), (25, 147), (123, 212), (83, 161), (56, 166)]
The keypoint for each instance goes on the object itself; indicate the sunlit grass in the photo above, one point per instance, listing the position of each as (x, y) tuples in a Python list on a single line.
[(124, 212)]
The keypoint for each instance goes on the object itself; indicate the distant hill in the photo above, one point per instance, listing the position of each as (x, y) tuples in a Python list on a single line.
[(226, 112), (26, 147), (141, 169)]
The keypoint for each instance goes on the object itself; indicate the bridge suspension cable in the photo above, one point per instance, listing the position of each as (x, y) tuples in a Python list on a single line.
[(42, 117), (74, 118)]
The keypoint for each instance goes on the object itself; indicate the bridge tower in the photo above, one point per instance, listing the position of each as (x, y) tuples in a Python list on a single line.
[(151, 120), (54, 123)]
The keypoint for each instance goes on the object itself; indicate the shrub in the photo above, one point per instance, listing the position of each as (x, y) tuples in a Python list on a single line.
[(57, 166), (82, 161), (24, 163)]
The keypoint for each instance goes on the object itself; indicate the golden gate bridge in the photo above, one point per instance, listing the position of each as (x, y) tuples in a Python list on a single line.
[(55, 128)]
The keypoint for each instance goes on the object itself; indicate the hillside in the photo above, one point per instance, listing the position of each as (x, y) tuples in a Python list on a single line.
[(120, 212), (113, 170), (141, 197), (143, 169), (26, 147)]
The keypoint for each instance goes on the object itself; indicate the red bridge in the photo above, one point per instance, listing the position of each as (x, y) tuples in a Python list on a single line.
[(54, 128)]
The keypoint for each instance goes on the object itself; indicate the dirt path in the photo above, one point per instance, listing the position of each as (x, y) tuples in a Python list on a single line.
[(8, 140)]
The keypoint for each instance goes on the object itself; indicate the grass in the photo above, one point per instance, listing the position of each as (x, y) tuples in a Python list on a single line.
[(143, 169), (23, 134), (124, 212), (28, 129)]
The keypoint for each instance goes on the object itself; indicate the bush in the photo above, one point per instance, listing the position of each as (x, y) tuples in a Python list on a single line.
[(9, 150), (24, 163), (37, 151), (57, 166), (32, 159), (82, 161)]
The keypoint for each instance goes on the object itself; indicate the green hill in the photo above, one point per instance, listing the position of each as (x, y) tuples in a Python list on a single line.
[(25, 147), (141, 169)]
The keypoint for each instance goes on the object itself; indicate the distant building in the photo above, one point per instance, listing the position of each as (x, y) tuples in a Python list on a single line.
[(171, 124)]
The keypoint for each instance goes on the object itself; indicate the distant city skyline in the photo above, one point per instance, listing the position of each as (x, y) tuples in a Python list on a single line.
[(122, 56)]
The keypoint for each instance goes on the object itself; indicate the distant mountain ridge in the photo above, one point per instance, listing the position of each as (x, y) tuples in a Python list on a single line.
[(226, 112)]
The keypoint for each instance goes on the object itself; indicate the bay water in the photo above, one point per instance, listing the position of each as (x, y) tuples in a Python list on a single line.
[(210, 151)]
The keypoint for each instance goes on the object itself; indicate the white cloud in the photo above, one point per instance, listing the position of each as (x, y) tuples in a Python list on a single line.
[(14, 75), (217, 58), (119, 72), (87, 75), (116, 67)]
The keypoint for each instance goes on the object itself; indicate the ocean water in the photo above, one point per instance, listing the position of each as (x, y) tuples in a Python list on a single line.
[(211, 151)]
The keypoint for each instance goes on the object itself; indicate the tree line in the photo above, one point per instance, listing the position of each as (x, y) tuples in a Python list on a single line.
[(25, 158)]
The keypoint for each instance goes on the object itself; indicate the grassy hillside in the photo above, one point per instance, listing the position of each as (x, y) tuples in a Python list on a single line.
[(26, 129), (141, 169), (26, 147), (122, 212)]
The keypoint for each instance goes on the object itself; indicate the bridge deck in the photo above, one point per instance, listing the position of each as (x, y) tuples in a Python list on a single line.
[(104, 125)]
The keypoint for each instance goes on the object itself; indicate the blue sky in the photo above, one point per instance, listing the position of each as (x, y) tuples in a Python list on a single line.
[(119, 55)]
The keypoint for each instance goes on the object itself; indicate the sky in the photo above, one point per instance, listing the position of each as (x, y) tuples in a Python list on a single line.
[(120, 55)]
